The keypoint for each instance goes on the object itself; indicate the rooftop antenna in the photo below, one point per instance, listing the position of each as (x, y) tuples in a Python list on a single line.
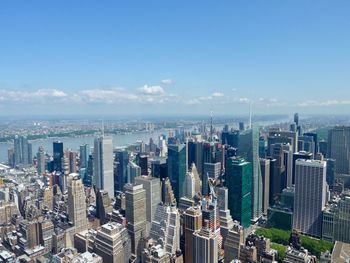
[(250, 114), (211, 125), (103, 127)]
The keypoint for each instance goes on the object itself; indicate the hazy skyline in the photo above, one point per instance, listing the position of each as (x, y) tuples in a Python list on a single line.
[(152, 57)]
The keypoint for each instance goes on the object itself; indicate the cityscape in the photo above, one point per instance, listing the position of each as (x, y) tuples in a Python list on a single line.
[(240, 193), (174, 131)]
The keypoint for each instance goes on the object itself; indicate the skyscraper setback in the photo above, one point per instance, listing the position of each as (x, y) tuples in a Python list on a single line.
[(76, 203)]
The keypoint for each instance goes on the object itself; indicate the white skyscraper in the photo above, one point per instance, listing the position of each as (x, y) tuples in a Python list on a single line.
[(190, 185), (153, 194), (165, 228), (310, 196), (76, 203), (205, 246), (103, 164)]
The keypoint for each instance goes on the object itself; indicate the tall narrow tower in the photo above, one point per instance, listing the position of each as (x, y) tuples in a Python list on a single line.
[(103, 164), (135, 201), (76, 203)]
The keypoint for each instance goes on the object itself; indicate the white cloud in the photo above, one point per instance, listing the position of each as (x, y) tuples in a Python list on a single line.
[(167, 81), (193, 101), (333, 102), (40, 95), (151, 90), (106, 95), (244, 100), (217, 94)]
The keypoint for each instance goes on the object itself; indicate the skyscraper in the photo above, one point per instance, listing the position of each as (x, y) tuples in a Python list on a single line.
[(168, 196), (339, 148), (133, 171), (84, 155), (248, 148), (142, 161), (197, 180), (190, 192), (234, 240), (112, 243), (226, 222), (76, 203), (230, 138), (103, 205), (166, 228), (195, 155), (205, 246), (88, 178), (211, 170), (153, 194), (177, 169), (330, 175), (239, 184), (72, 161), (159, 168), (278, 178), (300, 155), (22, 151), (121, 177), (103, 164), (285, 137), (40, 156), (57, 156), (310, 196), (192, 221), (135, 214), (265, 173)]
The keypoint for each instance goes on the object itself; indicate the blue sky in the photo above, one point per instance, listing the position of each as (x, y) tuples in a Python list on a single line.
[(136, 57)]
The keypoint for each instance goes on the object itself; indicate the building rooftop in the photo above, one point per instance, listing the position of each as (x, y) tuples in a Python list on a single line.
[(341, 252)]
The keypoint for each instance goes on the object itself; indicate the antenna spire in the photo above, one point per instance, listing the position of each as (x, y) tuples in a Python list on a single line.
[(211, 125), (103, 127), (250, 114)]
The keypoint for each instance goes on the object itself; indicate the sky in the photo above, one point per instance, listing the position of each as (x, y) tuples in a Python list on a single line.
[(174, 57)]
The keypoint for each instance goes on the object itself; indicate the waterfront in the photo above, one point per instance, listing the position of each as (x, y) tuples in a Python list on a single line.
[(119, 140)]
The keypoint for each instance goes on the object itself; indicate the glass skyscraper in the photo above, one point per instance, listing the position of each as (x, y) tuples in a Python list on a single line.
[(177, 169), (239, 184), (121, 175), (248, 148), (57, 156)]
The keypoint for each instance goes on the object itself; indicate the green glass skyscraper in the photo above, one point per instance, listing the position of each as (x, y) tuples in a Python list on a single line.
[(248, 148), (177, 169), (239, 184)]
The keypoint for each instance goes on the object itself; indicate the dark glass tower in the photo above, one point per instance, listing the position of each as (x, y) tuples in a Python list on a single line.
[(195, 155), (177, 169), (248, 148), (121, 177), (57, 156), (239, 184)]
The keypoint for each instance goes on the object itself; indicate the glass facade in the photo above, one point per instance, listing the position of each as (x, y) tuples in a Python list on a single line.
[(239, 184), (177, 169)]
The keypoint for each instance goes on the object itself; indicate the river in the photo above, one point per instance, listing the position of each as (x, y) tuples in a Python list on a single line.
[(119, 140)]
